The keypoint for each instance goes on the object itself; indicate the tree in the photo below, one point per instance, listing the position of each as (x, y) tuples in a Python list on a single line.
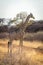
[(1, 21)]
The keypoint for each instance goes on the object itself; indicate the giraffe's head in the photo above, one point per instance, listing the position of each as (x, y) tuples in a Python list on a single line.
[(31, 16)]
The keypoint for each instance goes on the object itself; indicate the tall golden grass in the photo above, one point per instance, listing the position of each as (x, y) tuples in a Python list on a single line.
[(30, 55)]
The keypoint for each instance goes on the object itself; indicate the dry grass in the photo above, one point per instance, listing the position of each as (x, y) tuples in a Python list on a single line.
[(31, 53)]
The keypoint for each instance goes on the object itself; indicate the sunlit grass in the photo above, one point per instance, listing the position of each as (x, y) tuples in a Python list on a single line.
[(33, 44), (30, 54)]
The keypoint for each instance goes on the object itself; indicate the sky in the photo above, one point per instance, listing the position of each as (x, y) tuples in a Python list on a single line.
[(10, 8)]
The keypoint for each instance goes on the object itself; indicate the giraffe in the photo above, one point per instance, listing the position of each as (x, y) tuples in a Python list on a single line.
[(23, 28)]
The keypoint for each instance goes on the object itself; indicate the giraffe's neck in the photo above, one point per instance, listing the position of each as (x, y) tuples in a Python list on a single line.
[(27, 19), (26, 22)]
